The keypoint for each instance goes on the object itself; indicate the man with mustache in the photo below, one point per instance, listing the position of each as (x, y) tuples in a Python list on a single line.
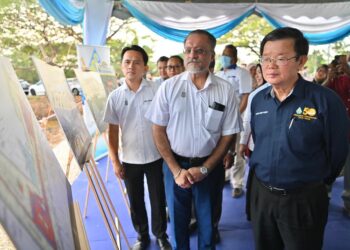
[(195, 118)]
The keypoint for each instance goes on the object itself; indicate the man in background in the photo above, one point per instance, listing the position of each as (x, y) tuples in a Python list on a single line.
[(175, 66), (162, 69), (242, 82)]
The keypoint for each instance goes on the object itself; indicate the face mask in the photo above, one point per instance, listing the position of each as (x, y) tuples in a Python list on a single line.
[(225, 61)]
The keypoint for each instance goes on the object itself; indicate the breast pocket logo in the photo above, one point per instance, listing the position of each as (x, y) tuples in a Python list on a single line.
[(306, 113)]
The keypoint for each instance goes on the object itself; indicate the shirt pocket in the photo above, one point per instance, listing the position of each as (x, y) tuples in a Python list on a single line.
[(213, 119), (302, 134)]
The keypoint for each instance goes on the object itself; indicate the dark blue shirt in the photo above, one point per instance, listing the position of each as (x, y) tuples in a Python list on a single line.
[(300, 140)]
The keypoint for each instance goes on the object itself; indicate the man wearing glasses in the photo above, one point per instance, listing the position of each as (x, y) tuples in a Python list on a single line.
[(299, 129), (195, 118), (175, 66)]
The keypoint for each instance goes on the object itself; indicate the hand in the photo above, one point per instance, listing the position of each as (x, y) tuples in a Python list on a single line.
[(196, 174), (119, 170), (185, 179), (229, 159)]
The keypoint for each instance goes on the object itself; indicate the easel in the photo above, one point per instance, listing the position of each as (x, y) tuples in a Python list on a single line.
[(105, 205), (125, 198)]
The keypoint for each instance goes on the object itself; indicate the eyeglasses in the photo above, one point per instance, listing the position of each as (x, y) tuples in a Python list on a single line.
[(280, 61), (173, 67), (198, 51)]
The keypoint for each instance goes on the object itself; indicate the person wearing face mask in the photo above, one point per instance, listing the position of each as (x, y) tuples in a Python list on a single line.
[(242, 82)]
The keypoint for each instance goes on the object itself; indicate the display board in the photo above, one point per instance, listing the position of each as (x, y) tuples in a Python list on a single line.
[(109, 79), (89, 57), (95, 95), (35, 196), (67, 113)]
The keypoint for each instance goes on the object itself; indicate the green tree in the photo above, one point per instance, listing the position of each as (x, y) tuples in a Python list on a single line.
[(248, 34)]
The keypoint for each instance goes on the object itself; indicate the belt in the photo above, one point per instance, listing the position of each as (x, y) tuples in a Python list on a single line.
[(284, 192), (193, 161)]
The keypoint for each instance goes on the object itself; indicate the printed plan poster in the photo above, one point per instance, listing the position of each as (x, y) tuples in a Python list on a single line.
[(34, 193), (95, 95), (108, 77), (67, 113)]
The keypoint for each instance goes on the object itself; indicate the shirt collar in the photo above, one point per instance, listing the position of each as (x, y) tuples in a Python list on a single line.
[(232, 66), (125, 87), (298, 89), (186, 76)]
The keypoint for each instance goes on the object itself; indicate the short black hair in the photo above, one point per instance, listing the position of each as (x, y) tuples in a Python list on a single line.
[(301, 45), (325, 66), (211, 38), (162, 59), (233, 48), (178, 58), (138, 49)]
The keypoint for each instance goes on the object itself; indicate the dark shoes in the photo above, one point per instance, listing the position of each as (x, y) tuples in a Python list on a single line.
[(193, 225), (164, 243), (141, 244), (237, 192)]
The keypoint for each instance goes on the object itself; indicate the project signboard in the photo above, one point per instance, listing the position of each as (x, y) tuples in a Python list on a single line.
[(67, 113), (35, 196)]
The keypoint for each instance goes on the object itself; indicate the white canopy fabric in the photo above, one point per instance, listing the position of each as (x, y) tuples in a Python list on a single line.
[(321, 23)]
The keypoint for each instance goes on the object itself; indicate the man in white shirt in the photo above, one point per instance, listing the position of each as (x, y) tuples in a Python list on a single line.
[(196, 117), (162, 69), (125, 110), (242, 83)]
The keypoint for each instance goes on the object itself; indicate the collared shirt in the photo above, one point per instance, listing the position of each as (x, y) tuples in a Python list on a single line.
[(239, 78), (246, 133), (185, 111), (300, 140), (126, 109)]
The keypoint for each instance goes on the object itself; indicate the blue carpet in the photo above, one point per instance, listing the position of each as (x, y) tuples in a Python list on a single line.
[(235, 230)]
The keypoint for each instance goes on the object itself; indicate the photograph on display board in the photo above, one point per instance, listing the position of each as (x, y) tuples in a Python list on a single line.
[(67, 113), (95, 95), (108, 77), (35, 195)]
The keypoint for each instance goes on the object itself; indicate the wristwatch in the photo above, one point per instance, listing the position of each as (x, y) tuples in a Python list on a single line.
[(203, 170), (232, 153)]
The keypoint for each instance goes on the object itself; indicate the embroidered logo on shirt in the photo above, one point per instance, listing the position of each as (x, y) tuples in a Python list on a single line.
[(183, 94), (306, 113)]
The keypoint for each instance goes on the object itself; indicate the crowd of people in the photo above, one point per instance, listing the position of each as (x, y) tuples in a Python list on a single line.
[(190, 126)]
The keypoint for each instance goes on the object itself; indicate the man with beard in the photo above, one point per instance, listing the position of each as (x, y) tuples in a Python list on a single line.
[(195, 118)]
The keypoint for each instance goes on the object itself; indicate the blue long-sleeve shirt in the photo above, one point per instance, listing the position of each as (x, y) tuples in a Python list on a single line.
[(300, 140)]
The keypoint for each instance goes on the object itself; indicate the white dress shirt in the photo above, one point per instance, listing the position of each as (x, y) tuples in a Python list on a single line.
[(245, 134), (240, 79), (185, 111), (126, 109)]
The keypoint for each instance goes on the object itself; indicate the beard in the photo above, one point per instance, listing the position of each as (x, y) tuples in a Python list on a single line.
[(195, 67)]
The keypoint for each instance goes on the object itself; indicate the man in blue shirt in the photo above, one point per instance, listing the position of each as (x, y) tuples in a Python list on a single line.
[(299, 129)]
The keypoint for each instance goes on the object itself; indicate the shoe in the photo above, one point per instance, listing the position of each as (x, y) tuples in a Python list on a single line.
[(217, 237), (141, 244), (237, 192), (164, 243)]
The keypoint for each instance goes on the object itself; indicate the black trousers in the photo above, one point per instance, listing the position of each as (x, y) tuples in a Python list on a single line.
[(294, 221), (134, 176)]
